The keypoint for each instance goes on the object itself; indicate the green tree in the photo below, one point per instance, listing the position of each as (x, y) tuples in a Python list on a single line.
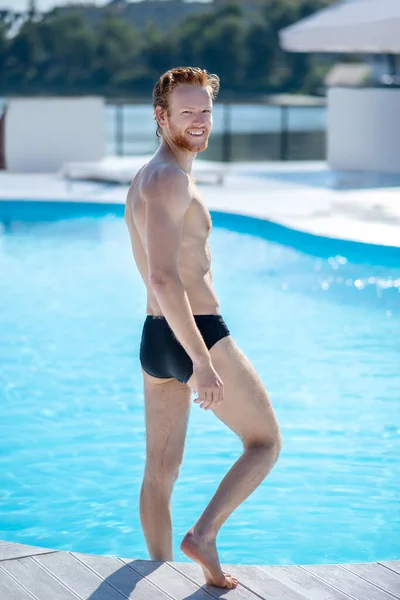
[(4, 45), (288, 70), (160, 50), (260, 55), (224, 52), (116, 54), (189, 38), (73, 51), (68, 51), (24, 54), (214, 40)]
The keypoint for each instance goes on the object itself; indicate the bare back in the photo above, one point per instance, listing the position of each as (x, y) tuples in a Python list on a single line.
[(195, 254)]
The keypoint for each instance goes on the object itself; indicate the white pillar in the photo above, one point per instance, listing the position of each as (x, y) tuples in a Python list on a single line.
[(364, 129), (43, 133)]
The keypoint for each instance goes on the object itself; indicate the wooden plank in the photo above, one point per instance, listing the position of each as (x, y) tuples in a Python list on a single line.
[(263, 583), (10, 589), (377, 574), (12, 550), (304, 583), (77, 577), (194, 572), (394, 565), (347, 582), (121, 577), (165, 577), (35, 579)]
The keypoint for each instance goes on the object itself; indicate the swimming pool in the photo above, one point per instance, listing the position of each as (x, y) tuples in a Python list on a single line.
[(320, 320)]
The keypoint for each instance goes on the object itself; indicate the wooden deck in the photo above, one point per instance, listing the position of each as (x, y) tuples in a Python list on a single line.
[(31, 573)]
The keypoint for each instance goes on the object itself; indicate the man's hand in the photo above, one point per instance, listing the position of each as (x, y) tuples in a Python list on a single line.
[(209, 386)]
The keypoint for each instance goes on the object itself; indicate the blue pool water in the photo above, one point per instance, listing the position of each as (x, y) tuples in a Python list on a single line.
[(319, 320)]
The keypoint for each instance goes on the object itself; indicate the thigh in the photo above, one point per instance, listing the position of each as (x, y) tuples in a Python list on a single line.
[(246, 408), (167, 407)]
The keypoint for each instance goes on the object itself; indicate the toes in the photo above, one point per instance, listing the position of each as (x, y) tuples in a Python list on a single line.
[(231, 582)]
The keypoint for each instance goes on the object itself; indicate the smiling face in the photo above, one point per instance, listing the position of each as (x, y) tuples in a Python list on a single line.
[(188, 121)]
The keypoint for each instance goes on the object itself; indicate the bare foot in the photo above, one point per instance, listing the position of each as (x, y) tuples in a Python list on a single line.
[(205, 553)]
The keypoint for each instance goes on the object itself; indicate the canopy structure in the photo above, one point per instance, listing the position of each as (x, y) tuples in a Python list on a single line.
[(351, 26), (363, 121)]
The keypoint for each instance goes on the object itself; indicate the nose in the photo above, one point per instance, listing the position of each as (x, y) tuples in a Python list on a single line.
[(200, 120)]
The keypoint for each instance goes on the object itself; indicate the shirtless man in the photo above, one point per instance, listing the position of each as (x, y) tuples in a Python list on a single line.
[(169, 227)]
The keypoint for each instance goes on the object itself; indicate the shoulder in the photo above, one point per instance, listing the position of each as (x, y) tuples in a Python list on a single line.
[(165, 181)]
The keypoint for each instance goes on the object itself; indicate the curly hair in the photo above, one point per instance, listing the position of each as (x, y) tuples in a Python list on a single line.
[(180, 75)]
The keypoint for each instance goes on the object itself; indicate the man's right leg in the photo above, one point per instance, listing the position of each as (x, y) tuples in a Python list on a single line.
[(167, 406)]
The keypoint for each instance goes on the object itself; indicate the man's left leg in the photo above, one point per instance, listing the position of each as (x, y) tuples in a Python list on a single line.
[(247, 411)]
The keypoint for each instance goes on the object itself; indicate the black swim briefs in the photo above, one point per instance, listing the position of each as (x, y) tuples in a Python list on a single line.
[(161, 355)]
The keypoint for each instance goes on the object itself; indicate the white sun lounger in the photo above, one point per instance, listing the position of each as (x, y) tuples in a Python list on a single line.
[(122, 170)]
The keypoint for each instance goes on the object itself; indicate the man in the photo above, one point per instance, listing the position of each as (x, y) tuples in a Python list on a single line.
[(185, 343)]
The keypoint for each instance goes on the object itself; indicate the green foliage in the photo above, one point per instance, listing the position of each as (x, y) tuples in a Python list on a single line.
[(159, 51), (4, 43), (117, 47), (65, 52)]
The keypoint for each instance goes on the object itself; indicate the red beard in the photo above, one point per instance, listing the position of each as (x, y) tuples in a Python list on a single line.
[(183, 143)]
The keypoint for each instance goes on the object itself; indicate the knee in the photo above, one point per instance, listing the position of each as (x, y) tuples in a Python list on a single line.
[(160, 474), (269, 447)]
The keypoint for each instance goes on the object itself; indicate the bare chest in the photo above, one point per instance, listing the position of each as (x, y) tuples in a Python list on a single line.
[(197, 224)]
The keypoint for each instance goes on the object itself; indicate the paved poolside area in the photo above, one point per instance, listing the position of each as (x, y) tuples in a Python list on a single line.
[(305, 196), (29, 573)]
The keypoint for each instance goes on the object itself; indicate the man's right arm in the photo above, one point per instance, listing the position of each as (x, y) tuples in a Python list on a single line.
[(167, 197)]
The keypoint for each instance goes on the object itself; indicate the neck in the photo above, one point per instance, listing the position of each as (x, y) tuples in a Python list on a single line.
[(184, 159)]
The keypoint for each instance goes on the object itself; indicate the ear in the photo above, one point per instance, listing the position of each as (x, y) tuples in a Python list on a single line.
[(161, 116)]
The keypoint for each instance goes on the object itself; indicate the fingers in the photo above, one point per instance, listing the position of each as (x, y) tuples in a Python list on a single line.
[(210, 398), (205, 398), (218, 395), (217, 398)]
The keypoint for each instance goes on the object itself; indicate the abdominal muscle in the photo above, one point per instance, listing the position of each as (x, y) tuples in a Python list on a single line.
[(194, 272), (201, 296)]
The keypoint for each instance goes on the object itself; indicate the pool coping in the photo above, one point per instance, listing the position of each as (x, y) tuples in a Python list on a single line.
[(244, 222), (364, 216), (30, 572)]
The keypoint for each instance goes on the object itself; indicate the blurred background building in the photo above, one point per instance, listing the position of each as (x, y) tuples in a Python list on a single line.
[(272, 103)]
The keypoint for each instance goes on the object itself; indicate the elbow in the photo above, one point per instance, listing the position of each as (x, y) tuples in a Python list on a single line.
[(162, 278)]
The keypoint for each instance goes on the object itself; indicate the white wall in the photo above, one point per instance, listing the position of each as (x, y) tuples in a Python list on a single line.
[(364, 129), (43, 133)]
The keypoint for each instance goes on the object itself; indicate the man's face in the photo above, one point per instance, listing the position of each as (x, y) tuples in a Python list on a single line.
[(189, 117)]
